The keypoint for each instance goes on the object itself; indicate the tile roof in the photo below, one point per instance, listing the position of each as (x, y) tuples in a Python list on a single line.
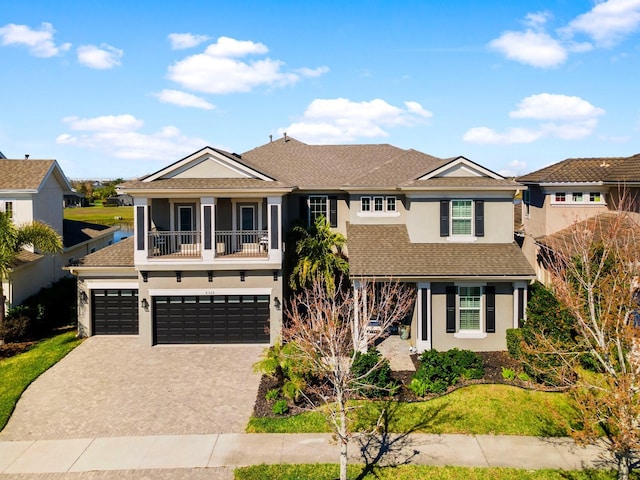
[(317, 166), (75, 231), (612, 170), (23, 174), (202, 184), (385, 250), (119, 254)]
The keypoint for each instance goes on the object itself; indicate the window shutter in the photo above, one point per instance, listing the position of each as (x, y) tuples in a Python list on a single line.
[(207, 227), (479, 218), (490, 308), (140, 228), (451, 309), (444, 218), (520, 307), (425, 315), (304, 210), (333, 211)]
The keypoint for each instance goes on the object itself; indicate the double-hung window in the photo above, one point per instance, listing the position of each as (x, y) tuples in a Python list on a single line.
[(8, 208), (461, 217), (391, 204), (595, 197), (576, 197), (365, 204), (317, 207), (378, 204), (560, 197), (470, 308)]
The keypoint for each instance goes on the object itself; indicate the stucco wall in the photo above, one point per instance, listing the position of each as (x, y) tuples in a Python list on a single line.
[(356, 216), (48, 204)]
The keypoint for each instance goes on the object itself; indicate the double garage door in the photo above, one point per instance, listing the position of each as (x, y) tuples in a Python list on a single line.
[(211, 319), (184, 319)]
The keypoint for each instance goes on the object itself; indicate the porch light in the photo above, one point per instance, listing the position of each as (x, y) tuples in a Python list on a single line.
[(243, 275), (145, 276), (178, 277), (275, 275), (210, 275), (83, 297), (145, 304), (276, 303)]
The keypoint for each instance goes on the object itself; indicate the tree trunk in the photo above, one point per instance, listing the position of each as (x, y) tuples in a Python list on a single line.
[(624, 466), (344, 442), (3, 301)]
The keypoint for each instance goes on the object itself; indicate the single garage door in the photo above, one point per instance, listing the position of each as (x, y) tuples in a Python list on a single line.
[(211, 319), (115, 311)]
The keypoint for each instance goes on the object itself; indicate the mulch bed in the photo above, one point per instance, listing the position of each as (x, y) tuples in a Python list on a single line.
[(492, 362), (11, 349)]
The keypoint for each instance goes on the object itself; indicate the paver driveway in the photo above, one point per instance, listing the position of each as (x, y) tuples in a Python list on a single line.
[(112, 386)]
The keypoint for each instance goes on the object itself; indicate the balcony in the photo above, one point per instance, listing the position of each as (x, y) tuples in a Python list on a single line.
[(228, 244)]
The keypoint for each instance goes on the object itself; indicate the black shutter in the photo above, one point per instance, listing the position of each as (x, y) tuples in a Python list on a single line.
[(333, 211), (451, 309), (444, 218), (479, 218), (425, 316), (520, 307), (304, 210), (275, 234), (490, 308), (140, 228), (207, 227)]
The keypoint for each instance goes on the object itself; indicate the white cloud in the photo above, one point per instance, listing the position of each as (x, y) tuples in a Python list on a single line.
[(183, 99), (531, 48), (103, 57), (181, 41), (485, 135), (218, 70), (514, 168), (607, 23), (562, 116), (342, 120), (536, 20), (39, 41), (119, 136), (550, 106)]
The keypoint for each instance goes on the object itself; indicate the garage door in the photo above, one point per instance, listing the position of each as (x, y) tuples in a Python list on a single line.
[(211, 319), (115, 311)]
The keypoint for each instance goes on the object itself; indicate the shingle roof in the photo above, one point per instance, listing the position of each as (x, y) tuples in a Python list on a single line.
[(613, 170), (203, 184), (464, 182), (23, 174), (24, 257), (119, 254), (385, 250), (75, 232), (317, 166)]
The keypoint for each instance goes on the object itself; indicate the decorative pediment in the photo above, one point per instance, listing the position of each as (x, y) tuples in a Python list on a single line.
[(461, 167)]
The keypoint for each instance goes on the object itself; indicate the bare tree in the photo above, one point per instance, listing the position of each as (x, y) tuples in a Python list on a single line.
[(595, 269), (330, 326)]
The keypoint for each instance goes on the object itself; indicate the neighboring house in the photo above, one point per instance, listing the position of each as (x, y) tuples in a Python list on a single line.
[(34, 190), (122, 200), (205, 263), (572, 191), (75, 199)]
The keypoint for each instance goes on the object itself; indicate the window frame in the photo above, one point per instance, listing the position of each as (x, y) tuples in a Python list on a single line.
[(577, 197), (8, 208), (470, 218), (325, 198), (560, 197), (377, 199), (596, 197), (378, 206), (391, 198), (478, 308), (368, 204)]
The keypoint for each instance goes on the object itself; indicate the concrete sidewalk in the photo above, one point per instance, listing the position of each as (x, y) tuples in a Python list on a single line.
[(231, 450)]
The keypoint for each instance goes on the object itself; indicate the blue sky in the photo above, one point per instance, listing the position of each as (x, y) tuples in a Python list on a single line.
[(120, 89)]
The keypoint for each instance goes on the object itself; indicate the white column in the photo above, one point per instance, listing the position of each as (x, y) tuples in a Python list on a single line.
[(274, 226), (207, 255), (516, 304), (140, 256), (424, 309)]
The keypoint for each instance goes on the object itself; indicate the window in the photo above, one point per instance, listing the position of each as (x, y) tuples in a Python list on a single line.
[(461, 217), (470, 307), (576, 197), (8, 208), (560, 197), (391, 204), (526, 200), (317, 208), (378, 204), (365, 204), (595, 197)]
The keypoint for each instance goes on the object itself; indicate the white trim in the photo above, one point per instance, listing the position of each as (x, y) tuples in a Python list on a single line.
[(378, 214), (423, 345), (190, 292), (481, 331), (94, 285), (470, 334), (466, 162)]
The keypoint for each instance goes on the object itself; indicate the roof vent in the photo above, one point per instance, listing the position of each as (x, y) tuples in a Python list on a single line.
[(605, 164), (26, 156), (270, 138), (237, 155), (285, 137)]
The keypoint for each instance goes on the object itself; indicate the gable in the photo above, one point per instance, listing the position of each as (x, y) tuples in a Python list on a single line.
[(210, 167), (461, 167)]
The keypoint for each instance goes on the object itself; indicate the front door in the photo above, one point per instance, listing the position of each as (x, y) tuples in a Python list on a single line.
[(247, 223), (185, 223)]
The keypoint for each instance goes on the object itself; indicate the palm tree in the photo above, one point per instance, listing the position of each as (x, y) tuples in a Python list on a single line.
[(319, 252), (41, 236)]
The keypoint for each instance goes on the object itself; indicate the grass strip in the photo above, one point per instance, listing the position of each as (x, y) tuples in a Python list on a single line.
[(17, 372), (476, 409), (413, 472), (100, 215)]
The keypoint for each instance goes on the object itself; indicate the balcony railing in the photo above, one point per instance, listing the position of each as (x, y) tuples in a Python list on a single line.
[(242, 243), (174, 244), (228, 243)]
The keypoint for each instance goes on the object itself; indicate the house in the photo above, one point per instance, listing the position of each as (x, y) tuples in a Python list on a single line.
[(205, 264), (34, 190), (573, 191)]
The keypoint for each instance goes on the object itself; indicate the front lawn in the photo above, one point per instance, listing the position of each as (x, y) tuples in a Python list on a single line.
[(475, 409), (17, 372), (414, 472)]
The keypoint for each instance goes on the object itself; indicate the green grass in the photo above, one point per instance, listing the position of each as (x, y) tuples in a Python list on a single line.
[(17, 372), (477, 409), (413, 472), (101, 215)]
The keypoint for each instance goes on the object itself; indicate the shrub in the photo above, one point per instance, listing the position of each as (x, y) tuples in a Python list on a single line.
[(282, 362), (374, 373), (508, 373), (280, 407), (514, 337), (16, 325), (440, 370)]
